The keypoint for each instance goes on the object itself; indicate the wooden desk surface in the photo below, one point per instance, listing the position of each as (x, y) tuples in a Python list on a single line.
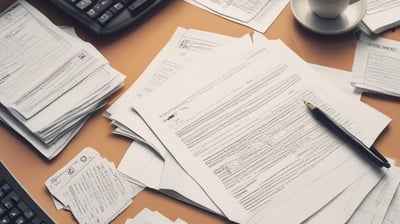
[(130, 53)]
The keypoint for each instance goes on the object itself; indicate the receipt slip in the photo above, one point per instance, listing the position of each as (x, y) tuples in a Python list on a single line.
[(91, 188)]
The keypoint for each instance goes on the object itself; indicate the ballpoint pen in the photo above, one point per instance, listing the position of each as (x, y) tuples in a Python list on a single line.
[(325, 119)]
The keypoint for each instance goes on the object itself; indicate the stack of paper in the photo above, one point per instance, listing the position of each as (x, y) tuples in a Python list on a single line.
[(152, 217), (50, 81), (377, 65), (91, 188), (381, 15), (226, 129)]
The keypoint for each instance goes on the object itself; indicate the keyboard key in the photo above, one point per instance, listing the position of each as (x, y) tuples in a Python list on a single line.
[(7, 204), (14, 213), (107, 16), (99, 8), (116, 8), (3, 210), (6, 188), (12, 196), (21, 220), (84, 4), (5, 220), (27, 212)]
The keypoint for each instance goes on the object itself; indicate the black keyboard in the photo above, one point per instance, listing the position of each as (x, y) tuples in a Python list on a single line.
[(16, 205), (105, 17)]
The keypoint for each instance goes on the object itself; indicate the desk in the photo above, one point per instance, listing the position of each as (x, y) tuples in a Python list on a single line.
[(130, 53)]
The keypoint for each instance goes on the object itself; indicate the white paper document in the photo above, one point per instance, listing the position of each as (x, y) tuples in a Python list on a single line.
[(381, 15), (258, 15), (28, 43), (183, 47), (376, 65), (392, 215), (146, 167), (340, 78), (50, 80), (341, 208), (91, 188), (240, 128), (146, 216), (375, 205), (142, 165)]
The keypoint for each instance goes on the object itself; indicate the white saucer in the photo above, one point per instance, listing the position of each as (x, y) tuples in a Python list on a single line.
[(349, 19)]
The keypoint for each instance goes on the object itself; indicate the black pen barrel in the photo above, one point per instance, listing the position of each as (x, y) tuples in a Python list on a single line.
[(322, 117)]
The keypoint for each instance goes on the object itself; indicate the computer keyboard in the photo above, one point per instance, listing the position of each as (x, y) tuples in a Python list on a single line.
[(16, 205), (105, 17)]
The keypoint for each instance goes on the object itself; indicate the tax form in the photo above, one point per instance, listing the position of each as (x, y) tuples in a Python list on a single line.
[(50, 80), (239, 9), (229, 126), (258, 15), (376, 65), (28, 82), (183, 46)]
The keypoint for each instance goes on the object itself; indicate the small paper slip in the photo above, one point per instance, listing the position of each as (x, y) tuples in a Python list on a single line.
[(91, 187), (152, 217), (376, 66)]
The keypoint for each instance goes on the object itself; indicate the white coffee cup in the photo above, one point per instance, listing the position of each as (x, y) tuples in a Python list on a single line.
[(329, 9)]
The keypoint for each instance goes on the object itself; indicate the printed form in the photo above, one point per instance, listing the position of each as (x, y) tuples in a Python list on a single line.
[(91, 188), (183, 47), (376, 65), (28, 42), (258, 15), (239, 127), (50, 80), (141, 164)]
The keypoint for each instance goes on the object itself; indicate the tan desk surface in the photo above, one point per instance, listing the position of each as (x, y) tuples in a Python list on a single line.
[(130, 54)]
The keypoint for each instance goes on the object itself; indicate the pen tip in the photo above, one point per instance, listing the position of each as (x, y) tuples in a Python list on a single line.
[(309, 105)]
